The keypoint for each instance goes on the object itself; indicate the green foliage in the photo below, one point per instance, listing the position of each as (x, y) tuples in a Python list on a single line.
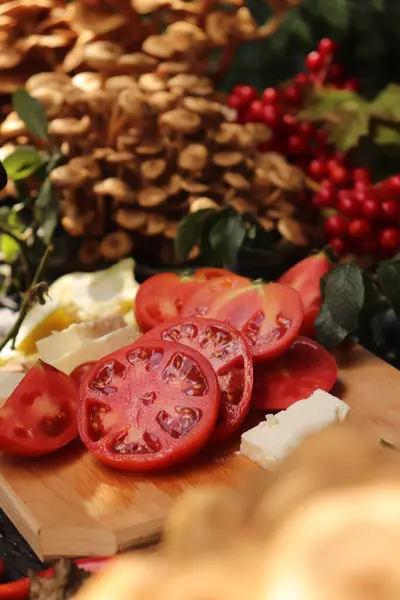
[(31, 112), (23, 162)]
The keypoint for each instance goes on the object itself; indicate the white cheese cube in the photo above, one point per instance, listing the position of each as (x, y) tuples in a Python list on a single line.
[(274, 438)]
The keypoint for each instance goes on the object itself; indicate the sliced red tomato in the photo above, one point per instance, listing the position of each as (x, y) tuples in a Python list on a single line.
[(269, 315), (161, 297), (40, 416), (212, 273), (19, 590), (230, 355), (199, 303), (148, 406), (79, 372), (305, 277), (304, 368)]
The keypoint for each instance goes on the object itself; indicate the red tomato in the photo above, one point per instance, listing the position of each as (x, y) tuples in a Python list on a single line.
[(148, 406), (230, 355), (160, 298), (269, 315), (79, 372), (40, 416), (199, 303), (212, 273), (304, 368), (305, 277)]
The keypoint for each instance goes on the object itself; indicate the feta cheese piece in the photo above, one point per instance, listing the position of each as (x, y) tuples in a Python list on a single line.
[(274, 438), (85, 342)]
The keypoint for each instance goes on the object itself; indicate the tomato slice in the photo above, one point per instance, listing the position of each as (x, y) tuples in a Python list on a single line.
[(304, 368), (198, 305), (148, 406), (80, 372), (161, 297), (230, 355), (212, 273), (305, 277), (269, 315), (40, 416)]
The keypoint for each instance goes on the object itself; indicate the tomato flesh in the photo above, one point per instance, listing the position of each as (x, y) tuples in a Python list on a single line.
[(305, 277), (148, 406), (208, 273), (230, 355), (198, 305), (40, 416), (269, 315), (161, 297), (80, 371), (303, 369)]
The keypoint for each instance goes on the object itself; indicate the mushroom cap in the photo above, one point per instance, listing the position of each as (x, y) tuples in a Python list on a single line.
[(193, 158), (202, 204), (150, 82), (70, 127), (88, 164), (181, 120), (116, 245), (10, 57), (153, 169), (183, 35), (151, 196), (116, 188), (87, 81), (130, 219), (144, 7), (138, 62), (12, 126), (133, 103), (155, 225), (101, 55), (120, 158), (158, 46), (65, 177), (54, 81), (51, 99), (118, 83)]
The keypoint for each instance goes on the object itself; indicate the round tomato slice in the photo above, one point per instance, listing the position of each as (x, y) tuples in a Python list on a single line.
[(161, 297), (198, 305), (148, 406), (269, 315), (40, 416), (230, 355), (79, 373), (304, 368), (212, 273)]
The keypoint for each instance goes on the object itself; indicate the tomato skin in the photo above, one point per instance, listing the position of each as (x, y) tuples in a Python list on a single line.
[(161, 297), (148, 406), (305, 277), (230, 355), (198, 305), (303, 369), (19, 590), (40, 416), (80, 371), (209, 273), (269, 315)]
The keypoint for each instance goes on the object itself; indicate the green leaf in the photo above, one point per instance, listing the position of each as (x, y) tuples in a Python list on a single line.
[(337, 13), (189, 232), (347, 133), (332, 101), (31, 112), (389, 279), (227, 236), (329, 333), (387, 104), (344, 295), (46, 211), (385, 135), (24, 161), (9, 218)]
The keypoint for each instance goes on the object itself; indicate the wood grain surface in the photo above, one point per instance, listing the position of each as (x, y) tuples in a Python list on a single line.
[(70, 505)]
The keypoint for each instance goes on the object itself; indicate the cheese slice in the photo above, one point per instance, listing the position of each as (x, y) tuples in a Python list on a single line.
[(279, 434), (85, 342), (8, 382)]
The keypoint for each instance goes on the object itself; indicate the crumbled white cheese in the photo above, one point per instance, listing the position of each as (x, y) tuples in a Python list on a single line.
[(274, 438)]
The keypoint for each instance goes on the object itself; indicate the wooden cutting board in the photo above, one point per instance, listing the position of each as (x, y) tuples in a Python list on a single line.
[(70, 505)]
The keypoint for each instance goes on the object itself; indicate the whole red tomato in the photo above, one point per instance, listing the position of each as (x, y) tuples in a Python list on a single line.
[(305, 277)]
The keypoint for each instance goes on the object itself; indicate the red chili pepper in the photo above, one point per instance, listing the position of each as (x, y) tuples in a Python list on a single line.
[(19, 590)]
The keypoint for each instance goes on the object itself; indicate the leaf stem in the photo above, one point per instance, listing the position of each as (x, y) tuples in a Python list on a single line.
[(23, 252), (13, 332)]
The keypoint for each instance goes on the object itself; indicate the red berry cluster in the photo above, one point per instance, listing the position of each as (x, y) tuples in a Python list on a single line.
[(367, 218)]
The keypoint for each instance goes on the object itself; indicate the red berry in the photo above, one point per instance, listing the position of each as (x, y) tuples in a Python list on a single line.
[(296, 144), (390, 211), (325, 197), (302, 79), (321, 138), (327, 47), (314, 62), (359, 228), (371, 208), (335, 72), (247, 94), (348, 206), (291, 121), (270, 96), (292, 95), (393, 184), (235, 102), (336, 226), (389, 238), (338, 245), (362, 175), (352, 84), (272, 116), (317, 169), (339, 175), (307, 129), (255, 111)]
